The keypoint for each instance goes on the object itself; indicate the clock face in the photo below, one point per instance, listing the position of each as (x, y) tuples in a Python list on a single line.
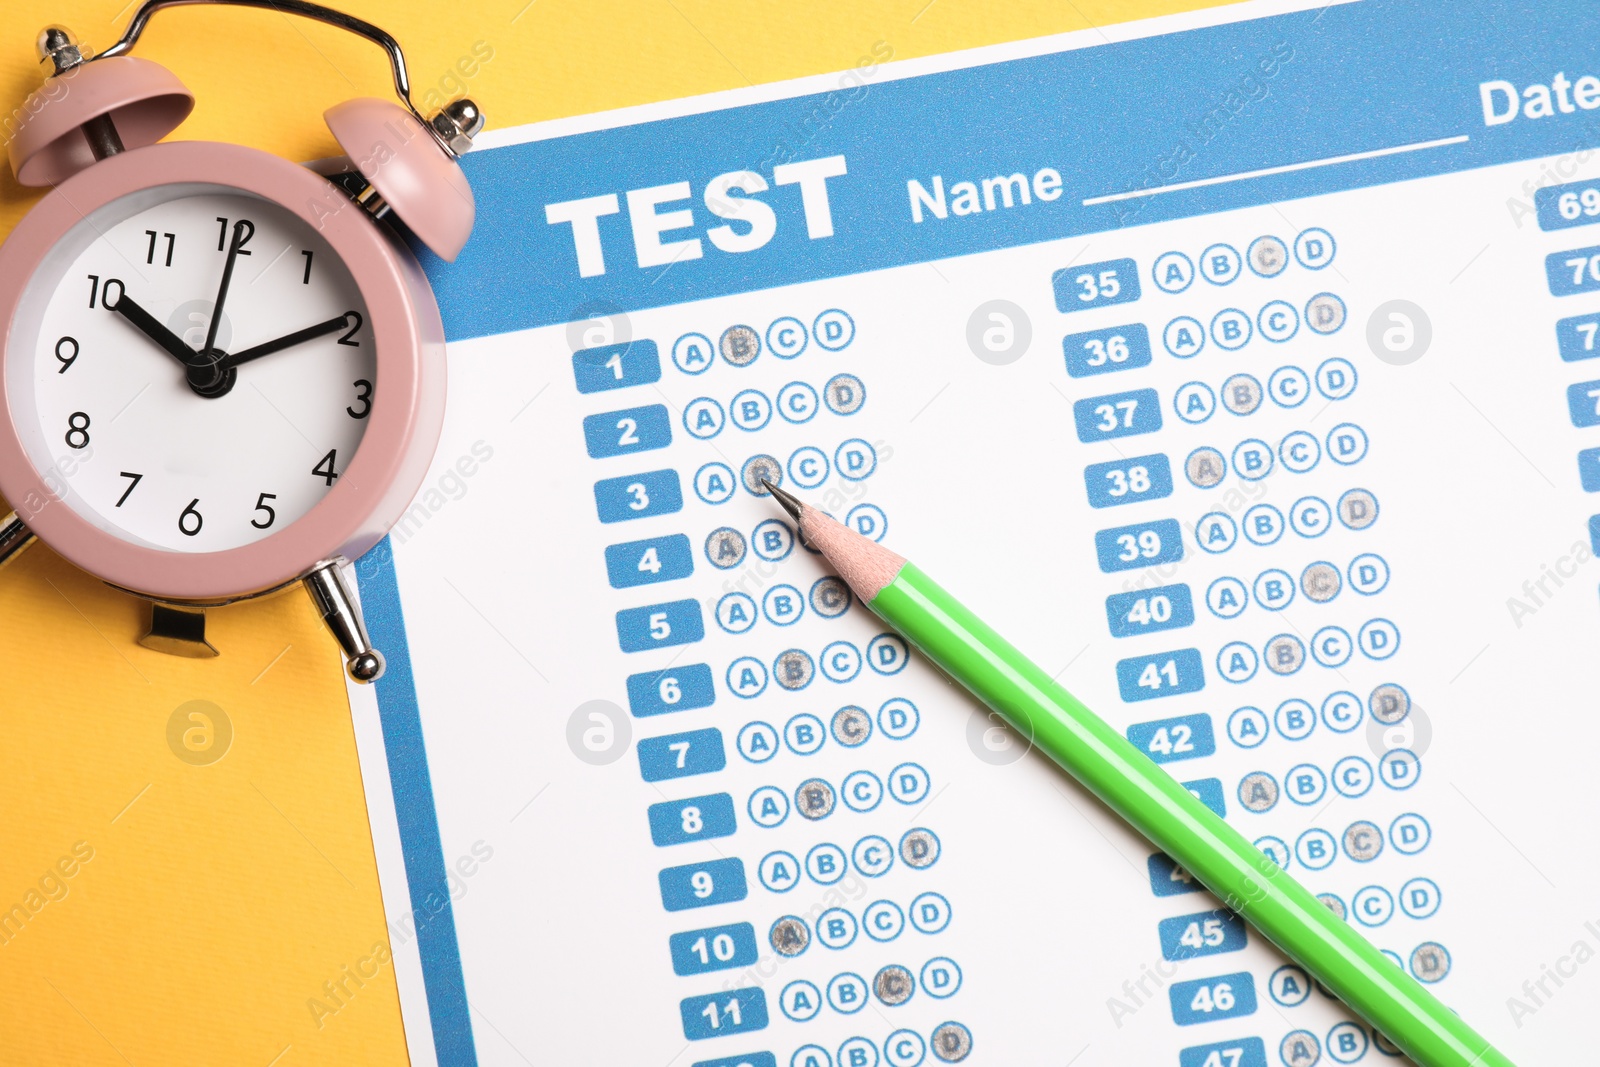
[(167, 422)]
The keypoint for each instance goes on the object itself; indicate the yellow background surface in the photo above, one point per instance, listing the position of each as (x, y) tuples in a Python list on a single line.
[(220, 897)]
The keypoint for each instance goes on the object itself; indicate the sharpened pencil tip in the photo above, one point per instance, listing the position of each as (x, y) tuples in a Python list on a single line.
[(790, 502)]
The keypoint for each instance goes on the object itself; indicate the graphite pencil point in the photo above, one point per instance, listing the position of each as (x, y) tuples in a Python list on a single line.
[(790, 502)]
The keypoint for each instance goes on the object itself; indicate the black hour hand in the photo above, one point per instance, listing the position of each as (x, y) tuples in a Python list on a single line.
[(289, 340), (154, 329)]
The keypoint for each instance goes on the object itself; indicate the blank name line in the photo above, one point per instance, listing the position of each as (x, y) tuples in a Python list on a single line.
[(1265, 171)]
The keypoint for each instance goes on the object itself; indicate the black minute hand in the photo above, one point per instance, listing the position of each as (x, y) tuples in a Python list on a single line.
[(154, 329), (289, 340), (242, 231)]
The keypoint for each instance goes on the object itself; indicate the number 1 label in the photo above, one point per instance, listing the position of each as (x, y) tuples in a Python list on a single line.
[(616, 366)]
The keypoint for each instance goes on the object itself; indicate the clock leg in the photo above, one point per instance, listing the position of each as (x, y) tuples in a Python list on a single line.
[(14, 537), (339, 610), (178, 630)]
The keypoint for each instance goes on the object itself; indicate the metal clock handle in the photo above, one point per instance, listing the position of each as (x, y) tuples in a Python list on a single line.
[(341, 614), (453, 127)]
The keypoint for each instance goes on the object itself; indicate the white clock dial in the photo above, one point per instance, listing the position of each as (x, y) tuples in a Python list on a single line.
[(145, 431)]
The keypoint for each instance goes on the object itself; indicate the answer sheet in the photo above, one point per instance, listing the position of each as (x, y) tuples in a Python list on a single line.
[(1238, 366)]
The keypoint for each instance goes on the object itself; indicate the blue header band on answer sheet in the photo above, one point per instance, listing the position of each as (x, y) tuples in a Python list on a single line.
[(1360, 94)]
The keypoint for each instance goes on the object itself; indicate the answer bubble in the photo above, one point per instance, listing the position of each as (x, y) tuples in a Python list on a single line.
[(794, 669), (1299, 1048), (598, 732), (814, 799), (1399, 332), (1430, 961), (845, 394), (797, 403), (758, 469), (1362, 841), (1267, 256), (787, 337), (1314, 248), (1206, 467), (790, 936), (1194, 402), (1325, 313), (1284, 654), (739, 345), (1258, 791), (1220, 264), (1358, 509), (1320, 582), (1289, 985), (1389, 703), (919, 848), (833, 329), (1184, 337), (1173, 272), (894, 985), (999, 332), (199, 732), (830, 597), (691, 353), (851, 726), (847, 994), (725, 547), (951, 1042), (904, 1048), (1241, 394)]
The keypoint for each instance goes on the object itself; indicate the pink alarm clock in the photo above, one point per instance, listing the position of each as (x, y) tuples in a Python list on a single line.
[(223, 373)]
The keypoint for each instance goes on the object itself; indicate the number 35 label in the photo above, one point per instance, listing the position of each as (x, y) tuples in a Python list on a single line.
[(1093, 285)]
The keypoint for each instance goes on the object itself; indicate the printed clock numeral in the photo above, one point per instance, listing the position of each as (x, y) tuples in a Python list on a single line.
[(324, 468), (103, 292), (247, 230), (349, 337), (363, 397), (190, 520), (78, 430), (262, 505), (150, 253), (69, 357)]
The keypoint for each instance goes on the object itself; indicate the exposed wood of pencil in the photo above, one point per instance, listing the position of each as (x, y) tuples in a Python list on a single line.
[(866, 566), (863, 563)]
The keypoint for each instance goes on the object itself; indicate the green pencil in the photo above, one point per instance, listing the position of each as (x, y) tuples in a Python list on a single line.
[(1149, 798)]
